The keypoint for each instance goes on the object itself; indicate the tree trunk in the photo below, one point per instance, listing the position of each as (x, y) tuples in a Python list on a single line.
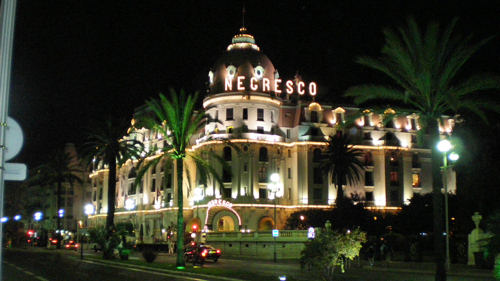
[(111, 197), (340, 193), (180, 214), (58, 218), (437, 203)]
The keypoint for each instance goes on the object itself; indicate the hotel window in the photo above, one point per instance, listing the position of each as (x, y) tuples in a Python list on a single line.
[(317, 155), (226, 175), (229, 114), (262, 173), (289, 153), (413, 124), (260, 129), (153, 185), (314, 116), (394, 196), (394, 179), (245, 167), (245, 113), (169, 197), (366, 119), (394, 160), (368, 178), (227, 153), (272, 117), (94, 195), (369, 196), (131, 189), (216, 115), (141, 188), (287, 133), (262, 193), (317, 176), (289, 193), (338, 118), (263, 154), (289, 173), (415, 163), (415, 180), (226, 192), (367, 136), (368, 159), (317, 194), (260, 114)]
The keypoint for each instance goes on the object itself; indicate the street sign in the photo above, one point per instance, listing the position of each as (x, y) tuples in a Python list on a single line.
[(276, 233), (15, 172), (13, 139)]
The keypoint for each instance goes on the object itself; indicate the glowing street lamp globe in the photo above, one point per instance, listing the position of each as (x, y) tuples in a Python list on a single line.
[(4, 219), (38, 216), (453, 156), (129, 204), (17, 217), (89, 209), (275, 177), (444, 146)]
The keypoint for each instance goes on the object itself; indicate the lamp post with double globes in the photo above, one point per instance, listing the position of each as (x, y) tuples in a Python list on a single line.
[(275, 191), (445, 146)]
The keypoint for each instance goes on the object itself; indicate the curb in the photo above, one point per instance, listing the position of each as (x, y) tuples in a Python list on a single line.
[(465, 274), (162, 270)]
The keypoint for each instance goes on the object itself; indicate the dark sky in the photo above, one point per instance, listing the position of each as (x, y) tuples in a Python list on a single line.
[(76, 62)]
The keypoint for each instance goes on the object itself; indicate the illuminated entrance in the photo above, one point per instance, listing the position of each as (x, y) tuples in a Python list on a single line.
[(225, 224)]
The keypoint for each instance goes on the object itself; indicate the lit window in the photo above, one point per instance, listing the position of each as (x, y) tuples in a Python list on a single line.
[(416, 180)]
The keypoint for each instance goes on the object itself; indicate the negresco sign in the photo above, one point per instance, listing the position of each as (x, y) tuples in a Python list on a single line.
[(277, 87)]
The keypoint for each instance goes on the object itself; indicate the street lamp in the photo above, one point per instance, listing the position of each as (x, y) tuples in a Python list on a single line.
[(129, 204), (445, 146), (88, 209), (275, 190)]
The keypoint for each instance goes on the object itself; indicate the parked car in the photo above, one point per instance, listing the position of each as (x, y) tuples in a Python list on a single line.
[(197, 254), (212, 253), (71, 245)]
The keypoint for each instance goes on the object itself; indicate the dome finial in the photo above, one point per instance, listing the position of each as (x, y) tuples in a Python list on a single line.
[(243, 17)]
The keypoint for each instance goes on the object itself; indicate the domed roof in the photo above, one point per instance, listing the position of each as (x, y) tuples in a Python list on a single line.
[(241, 58)]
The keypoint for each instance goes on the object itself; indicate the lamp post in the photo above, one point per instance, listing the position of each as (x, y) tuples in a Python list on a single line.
[(445, 146), (275, 191), (88, 210)]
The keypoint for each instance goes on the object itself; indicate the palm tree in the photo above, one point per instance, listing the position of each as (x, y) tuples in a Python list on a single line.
[(342, 163), (106, 144), (176, 119), (60, 169), (424, 68)]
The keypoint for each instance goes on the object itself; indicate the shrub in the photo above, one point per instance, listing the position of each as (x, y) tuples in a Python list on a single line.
[(149, 255)]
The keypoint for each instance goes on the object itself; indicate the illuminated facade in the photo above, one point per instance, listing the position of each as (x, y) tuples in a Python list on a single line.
[(275, 126)]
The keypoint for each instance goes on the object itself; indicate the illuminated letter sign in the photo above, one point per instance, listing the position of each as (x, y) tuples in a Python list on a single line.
[(265, 85), (253, 84), (277, 83), (219, 203), (313, 89), (289, 87), (300, 88), (228, 86), (240, 83)]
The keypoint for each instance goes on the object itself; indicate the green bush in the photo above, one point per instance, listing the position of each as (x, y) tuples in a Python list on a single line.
[(330, 249), (99, 235)]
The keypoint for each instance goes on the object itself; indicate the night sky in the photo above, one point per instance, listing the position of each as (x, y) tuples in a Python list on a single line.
[(76, 62)]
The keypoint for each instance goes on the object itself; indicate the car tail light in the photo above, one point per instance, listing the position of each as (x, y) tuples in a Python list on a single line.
[(204, 253), (77, 245), (67, 246), (218, 251)]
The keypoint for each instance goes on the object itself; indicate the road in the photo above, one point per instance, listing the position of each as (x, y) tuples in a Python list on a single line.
[(48, 266)]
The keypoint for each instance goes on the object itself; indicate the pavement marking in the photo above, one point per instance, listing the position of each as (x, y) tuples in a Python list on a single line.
[(147, 271), (26, 271)]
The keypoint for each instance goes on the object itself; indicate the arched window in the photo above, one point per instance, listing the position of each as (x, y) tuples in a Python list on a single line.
[(227, 153), (263, 154), (132, 174), (317, 155), (368, 159)]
